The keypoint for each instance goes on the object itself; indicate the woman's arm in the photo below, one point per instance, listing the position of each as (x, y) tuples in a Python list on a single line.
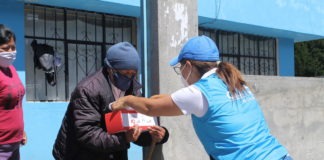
[(158, 105)]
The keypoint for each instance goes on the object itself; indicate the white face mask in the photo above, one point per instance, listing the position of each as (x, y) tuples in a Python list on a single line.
[(7, 58), (184, 81)]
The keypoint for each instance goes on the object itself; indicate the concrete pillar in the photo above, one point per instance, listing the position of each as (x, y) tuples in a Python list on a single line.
[(169, 25)]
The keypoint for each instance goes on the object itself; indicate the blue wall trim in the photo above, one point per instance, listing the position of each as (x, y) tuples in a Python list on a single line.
[(286, 57), (118, 7)]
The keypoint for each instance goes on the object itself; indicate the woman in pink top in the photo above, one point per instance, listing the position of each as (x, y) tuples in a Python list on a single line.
[(11, 95)]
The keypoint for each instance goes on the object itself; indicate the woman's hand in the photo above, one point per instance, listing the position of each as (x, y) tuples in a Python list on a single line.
[(24, 139), (119, 104), (157, 133)]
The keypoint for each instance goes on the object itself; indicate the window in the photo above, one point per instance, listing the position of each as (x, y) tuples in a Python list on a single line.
[(80, 40), (254, 55)]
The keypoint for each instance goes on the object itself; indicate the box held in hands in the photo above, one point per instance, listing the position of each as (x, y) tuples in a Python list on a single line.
[(122, 120)]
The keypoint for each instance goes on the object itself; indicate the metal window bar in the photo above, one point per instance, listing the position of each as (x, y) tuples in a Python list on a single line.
[(103, 46), (66, 61), (259, 64), (248, 51), (263, 52), (55, 42), (34, 32), (87, 42), (122, 31), (274, 57), (44, 11), (268, 54)]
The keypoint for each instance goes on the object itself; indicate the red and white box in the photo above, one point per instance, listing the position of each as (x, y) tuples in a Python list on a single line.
[(122, 120)]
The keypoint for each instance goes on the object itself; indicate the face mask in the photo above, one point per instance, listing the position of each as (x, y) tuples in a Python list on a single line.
[(7, 58), (122, 82), (184, 81)]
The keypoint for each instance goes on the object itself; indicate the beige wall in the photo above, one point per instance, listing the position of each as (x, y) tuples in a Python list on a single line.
[(293, 108)]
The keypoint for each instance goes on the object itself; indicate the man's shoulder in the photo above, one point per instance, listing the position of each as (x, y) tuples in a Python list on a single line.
[(96, 77), (93, 83)]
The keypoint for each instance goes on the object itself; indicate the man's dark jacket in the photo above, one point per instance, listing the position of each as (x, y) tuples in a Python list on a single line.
[(83, 134)]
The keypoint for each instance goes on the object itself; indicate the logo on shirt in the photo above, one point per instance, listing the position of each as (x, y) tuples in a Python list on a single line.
[(244, 96)]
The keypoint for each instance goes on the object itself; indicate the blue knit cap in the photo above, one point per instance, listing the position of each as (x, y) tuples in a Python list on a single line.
[(200, 48), (122, 56)]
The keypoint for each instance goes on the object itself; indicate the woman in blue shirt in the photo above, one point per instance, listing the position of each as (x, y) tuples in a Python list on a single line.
[(225, 114)]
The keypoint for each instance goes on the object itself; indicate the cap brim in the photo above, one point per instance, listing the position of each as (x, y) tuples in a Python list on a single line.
[(174, 61)]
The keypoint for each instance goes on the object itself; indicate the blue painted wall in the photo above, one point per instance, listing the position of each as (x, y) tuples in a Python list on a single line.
[(286, 59), (12, 15), (42, 119), (298, 20), (290, 20)]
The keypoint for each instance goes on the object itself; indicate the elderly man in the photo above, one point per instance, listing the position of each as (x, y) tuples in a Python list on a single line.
[(83, 134)]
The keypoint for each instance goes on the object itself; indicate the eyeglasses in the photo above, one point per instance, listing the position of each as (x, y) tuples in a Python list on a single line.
[(177, 69)]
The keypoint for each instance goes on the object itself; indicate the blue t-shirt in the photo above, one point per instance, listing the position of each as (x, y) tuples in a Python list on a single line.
[(234, 127)]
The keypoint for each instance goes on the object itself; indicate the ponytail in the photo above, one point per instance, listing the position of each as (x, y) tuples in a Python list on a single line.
[(226, 71), (231, 76)]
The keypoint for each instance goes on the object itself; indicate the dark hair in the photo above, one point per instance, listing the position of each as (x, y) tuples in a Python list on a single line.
[(6, 34), (226, 71)]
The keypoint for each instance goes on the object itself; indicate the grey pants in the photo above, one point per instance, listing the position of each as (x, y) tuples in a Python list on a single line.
[(10, 151)]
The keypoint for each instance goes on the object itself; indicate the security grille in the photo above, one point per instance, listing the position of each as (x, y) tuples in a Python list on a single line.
[(253, 55), (80, 40)]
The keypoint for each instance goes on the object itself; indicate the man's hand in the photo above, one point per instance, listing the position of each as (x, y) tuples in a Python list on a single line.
[(157, 133), (133, 134)]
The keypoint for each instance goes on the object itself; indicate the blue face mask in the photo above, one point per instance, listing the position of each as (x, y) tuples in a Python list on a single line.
[(122, 82)]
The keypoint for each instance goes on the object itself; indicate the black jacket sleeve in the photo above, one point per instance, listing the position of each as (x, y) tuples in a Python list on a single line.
[(145, 138), (88, 126)]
